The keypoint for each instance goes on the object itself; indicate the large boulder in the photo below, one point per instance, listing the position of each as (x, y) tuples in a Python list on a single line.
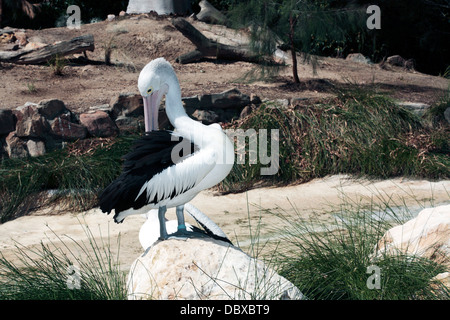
[(62, 128), (14, 146), (127, 104), (98, 124), (204, 269), (52, 108), (30, 123), (427, 235)]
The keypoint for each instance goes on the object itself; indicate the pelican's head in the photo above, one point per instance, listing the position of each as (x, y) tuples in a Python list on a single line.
[(153, 84)]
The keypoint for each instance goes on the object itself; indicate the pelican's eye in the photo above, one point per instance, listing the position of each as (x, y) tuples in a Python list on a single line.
[(150, 90)]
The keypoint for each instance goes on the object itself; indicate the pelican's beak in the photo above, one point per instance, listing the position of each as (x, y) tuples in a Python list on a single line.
[(151, 107)]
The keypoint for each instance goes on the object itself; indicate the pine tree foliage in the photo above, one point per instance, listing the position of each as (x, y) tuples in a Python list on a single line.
[(295, 25)]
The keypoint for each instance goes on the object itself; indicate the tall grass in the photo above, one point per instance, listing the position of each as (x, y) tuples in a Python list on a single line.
[(72, 270), (73, 176), (358, 132), (334, 261)]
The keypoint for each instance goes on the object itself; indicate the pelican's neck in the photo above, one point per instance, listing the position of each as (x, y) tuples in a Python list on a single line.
[(174, 106)]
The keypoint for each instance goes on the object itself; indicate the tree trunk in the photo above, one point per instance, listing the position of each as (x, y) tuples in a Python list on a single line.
[(210, 48), (292, 23), (44, 54)]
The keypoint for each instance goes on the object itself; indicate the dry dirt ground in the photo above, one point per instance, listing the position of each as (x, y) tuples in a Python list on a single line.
[(135, 42), (138, 40)]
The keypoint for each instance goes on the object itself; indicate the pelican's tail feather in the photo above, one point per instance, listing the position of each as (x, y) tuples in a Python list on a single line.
[(210, 227)]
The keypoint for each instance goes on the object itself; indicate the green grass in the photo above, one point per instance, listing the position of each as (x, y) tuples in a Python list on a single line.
[(75, 270), (77, 177), (331, 261), (358, 132)]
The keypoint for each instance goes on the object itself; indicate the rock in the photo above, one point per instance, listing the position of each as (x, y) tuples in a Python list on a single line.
[(209, 14), (245, 112), (254, 99), (447, 114), (130, 124), (122, 14), (103, 107), (51, 108), (15, 147), (98, 124), (63, 129), (127, 104), (396, 61), (427, 235), (415, 107), (7, 122), (282, 103), (444, 278), (358, 57), (111, 17), (35, 148), (30, 124), (161, 7), (206, 117), (204, 269), (228, 99)]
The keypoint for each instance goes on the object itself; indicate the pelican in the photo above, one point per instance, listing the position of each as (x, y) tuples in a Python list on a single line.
[(167, 169)]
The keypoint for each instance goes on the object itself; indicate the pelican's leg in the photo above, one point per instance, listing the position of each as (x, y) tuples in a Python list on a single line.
[(162, 223), (181, 232), (180, 218)]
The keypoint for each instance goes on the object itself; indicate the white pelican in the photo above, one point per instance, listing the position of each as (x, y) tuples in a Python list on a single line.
[(161, 171)]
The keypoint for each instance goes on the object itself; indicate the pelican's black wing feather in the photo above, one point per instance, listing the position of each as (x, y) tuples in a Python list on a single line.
[(151, 154)]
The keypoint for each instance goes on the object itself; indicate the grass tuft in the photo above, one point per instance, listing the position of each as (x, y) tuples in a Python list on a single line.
[(72, 271), (359, 133), (335, 261), (71, 176)]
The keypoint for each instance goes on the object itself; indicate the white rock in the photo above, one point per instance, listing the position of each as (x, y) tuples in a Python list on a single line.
[(416, 107), (447, 114), (427, 235), (204, 269), (35, 148)]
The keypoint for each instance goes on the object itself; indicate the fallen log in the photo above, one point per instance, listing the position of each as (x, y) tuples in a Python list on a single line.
[(45, 54), (210, 48)]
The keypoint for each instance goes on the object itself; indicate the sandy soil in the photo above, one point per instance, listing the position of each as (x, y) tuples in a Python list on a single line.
[(136, 41), (233, 213)]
